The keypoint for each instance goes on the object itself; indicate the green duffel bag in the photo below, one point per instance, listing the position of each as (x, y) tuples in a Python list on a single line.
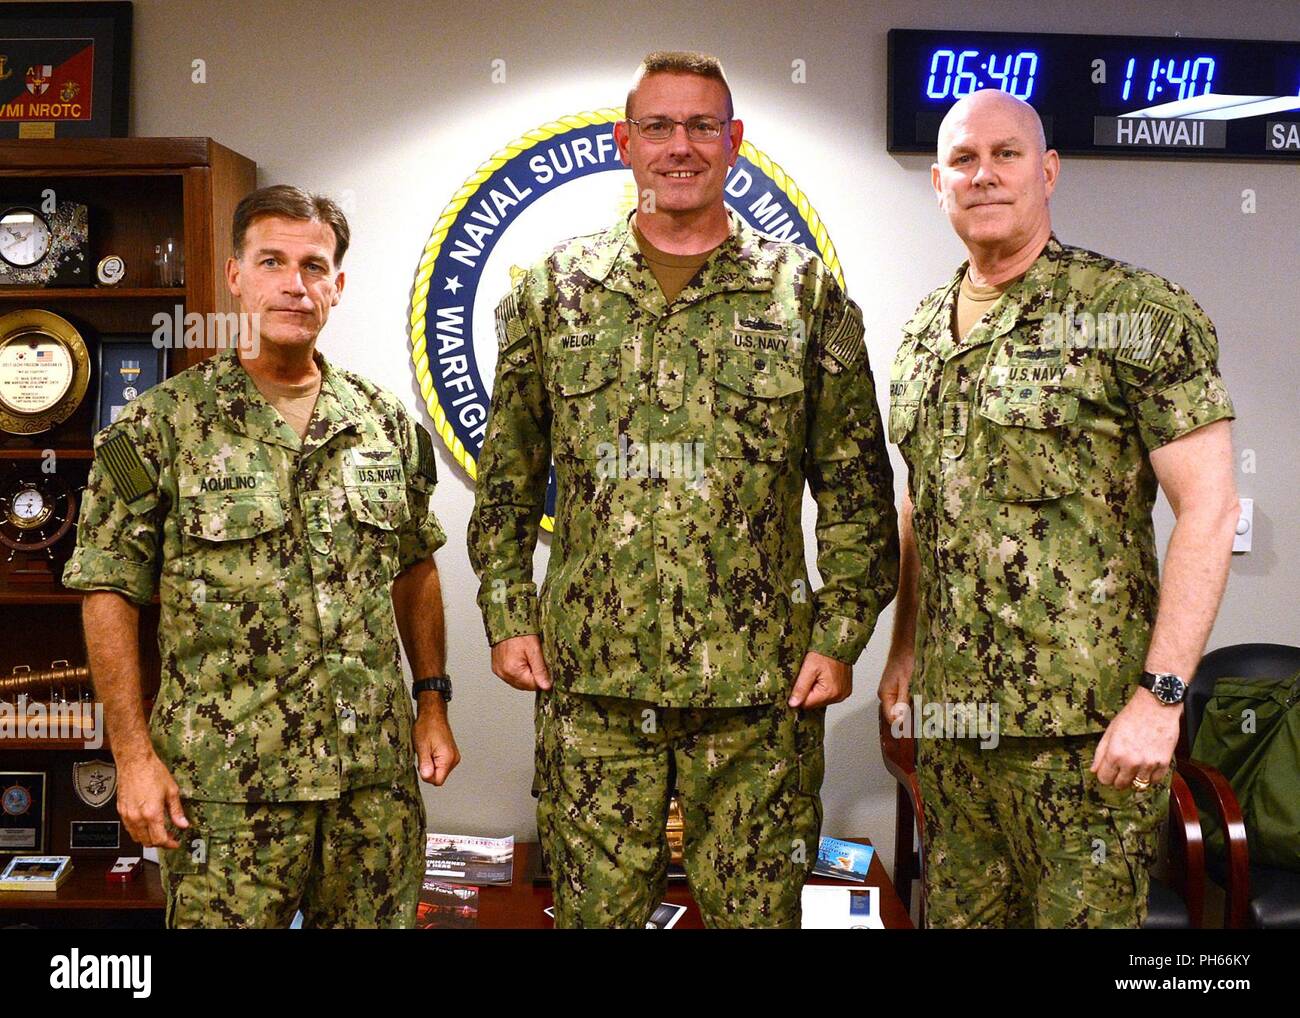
[(1251, 733)]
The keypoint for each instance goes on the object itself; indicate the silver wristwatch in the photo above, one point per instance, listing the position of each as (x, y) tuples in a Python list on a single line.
[(1167, 687)]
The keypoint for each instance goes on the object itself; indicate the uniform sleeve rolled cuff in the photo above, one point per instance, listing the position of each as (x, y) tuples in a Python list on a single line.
[(1174, 412), (421, 544), (841, 638), (93, 569), (517, 615)]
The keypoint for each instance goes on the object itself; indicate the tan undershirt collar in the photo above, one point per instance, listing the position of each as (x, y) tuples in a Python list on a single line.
[(974, 302), (294, 400), (671, 271)]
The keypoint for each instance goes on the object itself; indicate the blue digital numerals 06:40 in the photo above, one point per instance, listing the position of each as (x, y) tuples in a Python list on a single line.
[(953, 74)]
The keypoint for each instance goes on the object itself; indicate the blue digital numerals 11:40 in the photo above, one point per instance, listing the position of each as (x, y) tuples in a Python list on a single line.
[(1195, 73)]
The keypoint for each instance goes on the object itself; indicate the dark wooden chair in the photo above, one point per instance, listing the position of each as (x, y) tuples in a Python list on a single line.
[(1178, 904), (909, 814), (1262, 896)]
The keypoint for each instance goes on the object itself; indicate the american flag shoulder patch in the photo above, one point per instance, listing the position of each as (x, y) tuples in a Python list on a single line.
[(510, 325), (130, 476), (1151, 330), (844, 342)]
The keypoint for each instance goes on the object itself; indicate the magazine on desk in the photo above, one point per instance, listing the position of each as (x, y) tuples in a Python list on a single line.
[(845, 860), (445, 906), (465, 859)]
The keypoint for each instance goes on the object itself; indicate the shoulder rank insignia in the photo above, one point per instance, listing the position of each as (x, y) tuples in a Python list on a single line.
[(1150, 330), (844, 342), (510, 326), (131, 478)]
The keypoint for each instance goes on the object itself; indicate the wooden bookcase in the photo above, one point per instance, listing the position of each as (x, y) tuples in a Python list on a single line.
[(138, 191)]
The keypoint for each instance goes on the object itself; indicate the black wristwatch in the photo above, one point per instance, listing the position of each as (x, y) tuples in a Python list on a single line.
[(437, 684), (1167, 687)]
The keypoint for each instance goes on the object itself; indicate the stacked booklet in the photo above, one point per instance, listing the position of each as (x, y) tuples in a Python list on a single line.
[(36, 872)]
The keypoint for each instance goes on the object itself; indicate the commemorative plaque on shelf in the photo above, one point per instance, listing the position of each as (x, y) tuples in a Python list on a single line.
[(22, 812), (92, 822), (44, 371)]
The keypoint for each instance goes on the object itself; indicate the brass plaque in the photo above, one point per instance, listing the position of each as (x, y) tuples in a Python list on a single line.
[(44, 371)]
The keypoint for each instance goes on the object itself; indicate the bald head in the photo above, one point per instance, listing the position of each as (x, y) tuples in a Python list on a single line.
[(990, 105), (993, 175)]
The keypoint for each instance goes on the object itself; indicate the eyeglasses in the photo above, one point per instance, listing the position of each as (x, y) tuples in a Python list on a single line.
[(661, 128)]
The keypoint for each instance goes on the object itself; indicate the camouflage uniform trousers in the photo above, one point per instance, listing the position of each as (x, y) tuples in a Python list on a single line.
[(1023, 835), (748, 780), (354, 861)]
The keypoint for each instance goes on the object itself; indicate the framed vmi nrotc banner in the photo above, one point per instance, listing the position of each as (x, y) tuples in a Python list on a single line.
[(65, 70)]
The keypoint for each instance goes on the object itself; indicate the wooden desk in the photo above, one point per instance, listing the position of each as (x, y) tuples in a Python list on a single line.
[(521, 905), (88, 901)]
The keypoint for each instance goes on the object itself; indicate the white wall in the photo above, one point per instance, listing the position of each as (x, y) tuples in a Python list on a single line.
[(393, 102)]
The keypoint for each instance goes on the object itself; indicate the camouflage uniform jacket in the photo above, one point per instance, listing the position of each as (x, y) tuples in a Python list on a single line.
[(683, 434), (272, 557), (1028, 449)]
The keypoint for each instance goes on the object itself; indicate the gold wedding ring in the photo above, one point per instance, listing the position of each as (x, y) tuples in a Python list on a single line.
[(1141, 784)]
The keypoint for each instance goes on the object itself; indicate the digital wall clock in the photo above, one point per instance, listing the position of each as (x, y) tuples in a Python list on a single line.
[(1113, 95)]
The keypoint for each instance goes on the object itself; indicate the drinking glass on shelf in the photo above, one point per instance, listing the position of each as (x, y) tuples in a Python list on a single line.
[(170, 260)]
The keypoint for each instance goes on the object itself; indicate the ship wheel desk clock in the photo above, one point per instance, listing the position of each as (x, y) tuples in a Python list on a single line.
[(44, 374), (36, 513)]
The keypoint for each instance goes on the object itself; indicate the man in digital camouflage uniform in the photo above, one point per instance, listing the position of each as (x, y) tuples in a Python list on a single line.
[(688, 375), (280, 508), (1038, 398)]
